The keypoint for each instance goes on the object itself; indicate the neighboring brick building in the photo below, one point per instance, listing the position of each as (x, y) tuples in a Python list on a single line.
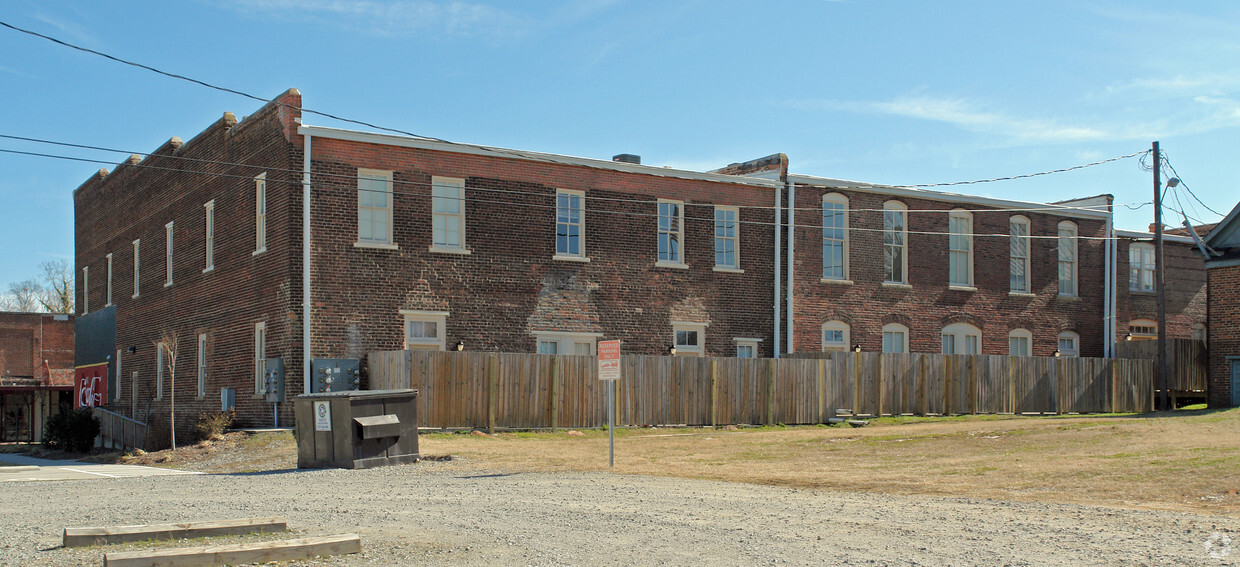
[(420, 243), (1184, 275), (415, 243), (36, 372), (1223, 291)]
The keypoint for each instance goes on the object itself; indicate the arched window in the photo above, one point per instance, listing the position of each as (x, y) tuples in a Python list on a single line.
[(960, 249), (834, 237), (962, 338), (1142, 330), (1020, 343), (1018, 227), (835, 336), (1069, 344), (895, 242), (895, 338), (1067, 259)]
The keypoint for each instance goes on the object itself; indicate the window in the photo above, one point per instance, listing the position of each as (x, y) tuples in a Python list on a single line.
[(447, 214), (202, 365), (895, 338), (747, 348), (1141, 267), (1199, 331), (835, 336), (834, 237), (1069, 344), (1142, 329), (117, 394), (210, 234), (168, 253), (570, 224), (962, 338), (960, 249), (109, 281), (159, 371), (1018, 250), (374, 207), (554, 342), (260, 213), (895, 245), (727, 238), (1020, 343), (689, 339), (135, 269), (85, 289), (425, 330), (1067, 259), (671, 233), (260, 358)]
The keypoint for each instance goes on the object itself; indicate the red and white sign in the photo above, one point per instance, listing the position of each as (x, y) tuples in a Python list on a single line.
[(609, 360), (90, 385)]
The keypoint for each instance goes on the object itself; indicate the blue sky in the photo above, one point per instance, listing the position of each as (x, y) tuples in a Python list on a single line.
[(878, 91)]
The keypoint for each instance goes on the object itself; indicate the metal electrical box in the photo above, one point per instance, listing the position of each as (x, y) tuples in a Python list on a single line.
[(335, 375), (274, 375)]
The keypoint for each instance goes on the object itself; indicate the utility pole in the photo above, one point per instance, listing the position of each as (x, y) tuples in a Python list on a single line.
[(1160, 283)]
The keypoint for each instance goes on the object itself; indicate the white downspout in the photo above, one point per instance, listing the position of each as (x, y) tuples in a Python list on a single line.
[(779, 220), (1108, 295), (792, 224), (305, 269)]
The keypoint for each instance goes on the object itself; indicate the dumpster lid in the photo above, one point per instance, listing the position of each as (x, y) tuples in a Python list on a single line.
[(350, 394)]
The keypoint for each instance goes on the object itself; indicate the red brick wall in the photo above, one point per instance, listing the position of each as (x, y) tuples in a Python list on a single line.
[(136, 200), (29, 339), (929, 304), (509, 286), (1185, 277), (1224, 331)]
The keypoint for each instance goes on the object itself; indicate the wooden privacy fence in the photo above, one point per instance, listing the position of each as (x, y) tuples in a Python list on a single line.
[(119, 432), (520, 391), (1186, 361)]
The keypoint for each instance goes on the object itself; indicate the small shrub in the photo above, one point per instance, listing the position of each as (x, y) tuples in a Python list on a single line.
[(71, 430), (212, 424)]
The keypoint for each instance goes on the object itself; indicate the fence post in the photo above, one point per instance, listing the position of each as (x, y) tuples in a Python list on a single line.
[(714, 393), (770, 391), (555, 393), (923, 397), (971, 364), (949, 371), (492, 390), (878, 387), (856, 405), (822, 393)]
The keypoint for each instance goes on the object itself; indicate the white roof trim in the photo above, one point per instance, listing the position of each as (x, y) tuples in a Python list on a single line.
[(1138, 235), (944, 196), (472, 149)]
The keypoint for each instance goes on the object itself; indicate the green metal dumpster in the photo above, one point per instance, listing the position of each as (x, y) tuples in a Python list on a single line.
[(356, 429)]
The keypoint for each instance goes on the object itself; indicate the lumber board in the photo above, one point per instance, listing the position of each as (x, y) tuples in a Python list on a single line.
[(74, 537), (261, 552)]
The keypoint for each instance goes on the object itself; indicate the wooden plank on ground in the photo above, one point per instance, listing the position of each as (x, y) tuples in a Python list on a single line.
[(261, 552), (101, 535)]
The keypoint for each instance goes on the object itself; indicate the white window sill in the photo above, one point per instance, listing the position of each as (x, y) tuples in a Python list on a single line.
[(961, 288), (897, 285), (1069, 298), (1143, 292), (209, 269), (134, 296), (376, 245), (107, 305), (669, 264), (259, 251), (450, 250), (570, 258), (727, 270), (167, 284), (199, 398), (835, 281), (1021, 294)]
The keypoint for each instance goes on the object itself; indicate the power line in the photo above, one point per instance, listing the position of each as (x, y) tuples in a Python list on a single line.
[(1028, 175)]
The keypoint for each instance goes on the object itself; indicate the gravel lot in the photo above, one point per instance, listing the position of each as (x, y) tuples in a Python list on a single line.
[(441, 513)]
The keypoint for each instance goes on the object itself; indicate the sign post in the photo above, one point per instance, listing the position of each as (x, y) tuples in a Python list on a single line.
[(609, 370)]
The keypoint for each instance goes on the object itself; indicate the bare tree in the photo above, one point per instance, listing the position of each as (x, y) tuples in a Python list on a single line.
[(57, 295), (7, 302), (25, 295), (167, 343)]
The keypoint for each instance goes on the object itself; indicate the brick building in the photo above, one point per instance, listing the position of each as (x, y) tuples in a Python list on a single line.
[(1223, 284), (36, 372), (420, 243)]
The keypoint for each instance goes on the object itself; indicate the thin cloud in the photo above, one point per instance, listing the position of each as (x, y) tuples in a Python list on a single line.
[(396, 18)]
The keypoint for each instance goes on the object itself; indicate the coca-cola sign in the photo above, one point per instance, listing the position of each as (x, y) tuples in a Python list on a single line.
[(90, 385)]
